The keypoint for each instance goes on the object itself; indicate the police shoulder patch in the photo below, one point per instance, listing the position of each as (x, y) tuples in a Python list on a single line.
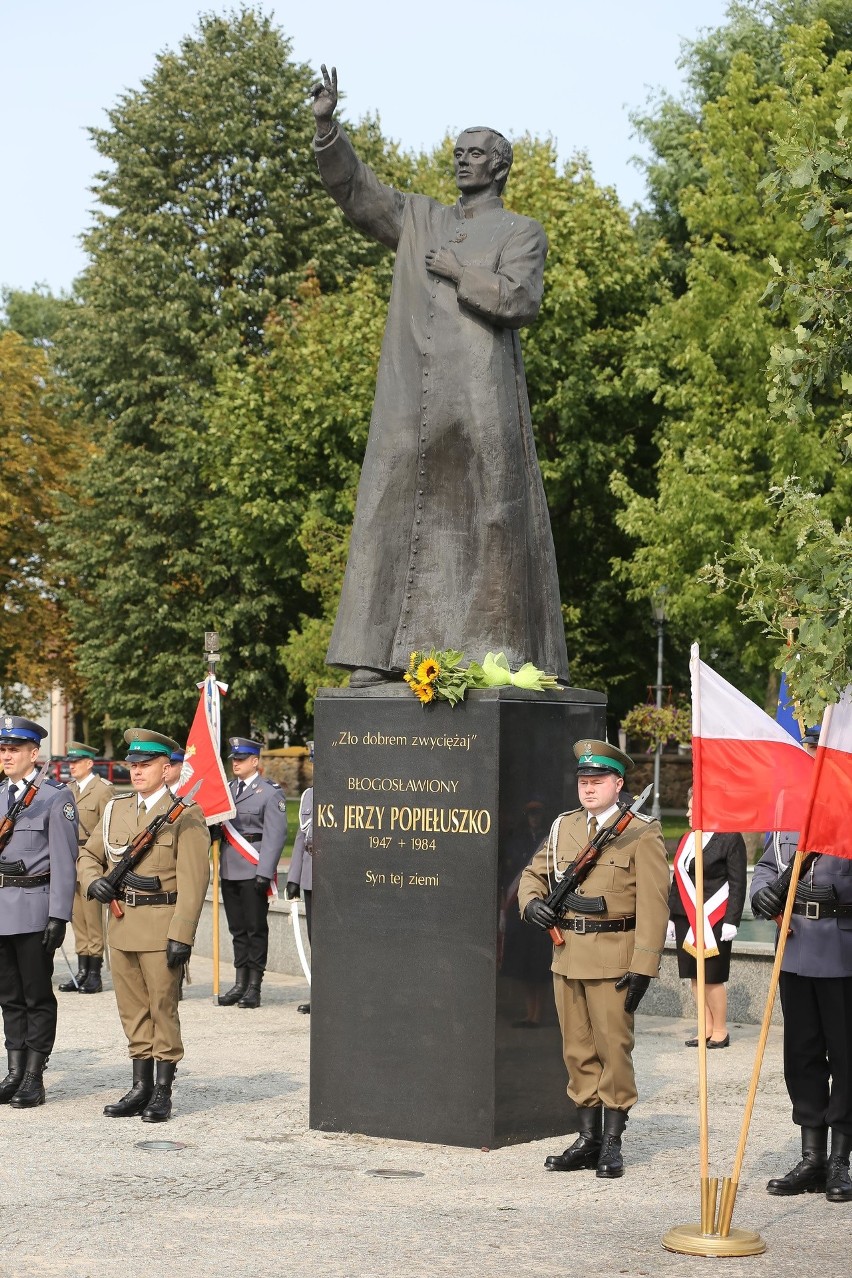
[(274, 785), (282, 805), (68, 812)]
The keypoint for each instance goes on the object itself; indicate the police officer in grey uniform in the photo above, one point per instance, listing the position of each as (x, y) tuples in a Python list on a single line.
[(261, 819), (37, 880), (816, 997), (300, 880)]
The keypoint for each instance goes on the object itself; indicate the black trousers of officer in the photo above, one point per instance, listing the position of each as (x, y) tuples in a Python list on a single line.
[(818, 1049), (246, 911), (26, 993)]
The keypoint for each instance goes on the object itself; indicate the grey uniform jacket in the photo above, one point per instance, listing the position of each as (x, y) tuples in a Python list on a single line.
[(302, 864), (261, 819), (45, 839), (815, 947)]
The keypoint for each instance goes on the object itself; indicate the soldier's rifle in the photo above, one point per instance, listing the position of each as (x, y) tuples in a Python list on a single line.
[(23, 801), (582, 865), (142, 844)]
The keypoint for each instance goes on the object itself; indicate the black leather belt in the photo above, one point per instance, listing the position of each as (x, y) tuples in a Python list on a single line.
[(584, 925), (252, 838), (148, 898), (822, 910), (19, 880)]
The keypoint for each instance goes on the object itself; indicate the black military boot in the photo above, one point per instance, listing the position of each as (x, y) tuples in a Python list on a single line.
[(237, 990), (610, 1163), (93, 983), (584, 1152), (838, 1185), (160, 1105), (12, 1081), (134, 1101), (31, 1091), (251, 998), (67, 987), (808, 1176)]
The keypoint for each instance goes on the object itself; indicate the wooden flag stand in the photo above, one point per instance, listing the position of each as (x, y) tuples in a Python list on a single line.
[(713, 1236)]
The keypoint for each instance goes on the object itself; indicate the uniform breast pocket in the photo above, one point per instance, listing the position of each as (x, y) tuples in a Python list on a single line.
[(161, 858), (618, 867), (30, 832)]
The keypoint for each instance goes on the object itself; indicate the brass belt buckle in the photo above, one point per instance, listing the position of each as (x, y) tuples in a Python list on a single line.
[(811, 909), (130, 896)]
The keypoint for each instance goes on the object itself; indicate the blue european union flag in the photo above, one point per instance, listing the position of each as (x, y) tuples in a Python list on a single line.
[(784, 715)]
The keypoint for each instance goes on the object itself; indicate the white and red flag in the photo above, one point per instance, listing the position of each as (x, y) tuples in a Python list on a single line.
[(202, 761), (826, 827), (748, 773)]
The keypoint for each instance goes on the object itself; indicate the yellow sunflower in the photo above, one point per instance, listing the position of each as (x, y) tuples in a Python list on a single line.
[(424, 692), (428, 671)]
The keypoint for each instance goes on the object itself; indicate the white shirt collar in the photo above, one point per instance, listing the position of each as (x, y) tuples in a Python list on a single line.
[(152, 799), (81, 785), (601, 817)]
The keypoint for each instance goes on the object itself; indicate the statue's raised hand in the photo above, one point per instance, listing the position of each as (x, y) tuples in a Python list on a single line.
[(324, 93)]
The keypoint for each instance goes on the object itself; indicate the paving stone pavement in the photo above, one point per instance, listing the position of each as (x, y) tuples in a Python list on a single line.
[(255, 1192)]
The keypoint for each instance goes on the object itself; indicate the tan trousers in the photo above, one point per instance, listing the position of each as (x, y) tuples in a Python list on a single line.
[(146, 991), (87, 920), (597, 1042)]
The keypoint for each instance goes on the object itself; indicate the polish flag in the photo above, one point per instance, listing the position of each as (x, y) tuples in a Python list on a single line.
[(202, 760), (747, 772), (827, 826)]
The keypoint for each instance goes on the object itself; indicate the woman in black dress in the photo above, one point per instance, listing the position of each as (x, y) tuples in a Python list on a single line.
[(725, 866)]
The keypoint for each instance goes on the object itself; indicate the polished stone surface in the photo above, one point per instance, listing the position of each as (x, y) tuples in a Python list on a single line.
[(422, 971)]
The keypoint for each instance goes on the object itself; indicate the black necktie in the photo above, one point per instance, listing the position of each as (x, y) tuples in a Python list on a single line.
[(13, 794), (241, 785)]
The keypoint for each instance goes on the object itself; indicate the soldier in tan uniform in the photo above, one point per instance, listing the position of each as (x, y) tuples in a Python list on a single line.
[(91, 795), (151, 943), (614, 932)]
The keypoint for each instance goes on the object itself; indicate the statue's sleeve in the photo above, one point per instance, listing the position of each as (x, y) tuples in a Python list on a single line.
[(511, 295), (374, 208)]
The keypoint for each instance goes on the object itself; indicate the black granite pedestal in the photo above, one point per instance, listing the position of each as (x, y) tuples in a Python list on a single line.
[(432, 1014)]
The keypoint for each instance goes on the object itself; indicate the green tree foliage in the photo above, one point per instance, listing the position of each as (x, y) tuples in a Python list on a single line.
[(288, 434), (35, 314), (210, 212), (34, 465), (702, 351)]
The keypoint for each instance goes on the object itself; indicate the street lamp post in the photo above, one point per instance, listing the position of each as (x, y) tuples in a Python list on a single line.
[(658, 609)]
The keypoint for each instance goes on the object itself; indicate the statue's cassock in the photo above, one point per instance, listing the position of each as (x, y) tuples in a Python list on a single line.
[(451, 545)]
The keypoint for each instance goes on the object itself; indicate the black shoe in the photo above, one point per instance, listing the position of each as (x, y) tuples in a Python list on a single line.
[(304, 1008), (134, 1101), (693, 1042), (237, 990), (610, 1164), (838, 1185), (721, 1042), (583, 1154), (31, 1091), (808, 1176), (93, 983), (68, 987), (251, 998), (13, 1080), (160, 1105)]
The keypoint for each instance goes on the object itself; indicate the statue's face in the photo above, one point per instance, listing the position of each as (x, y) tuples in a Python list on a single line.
[(474, 161)]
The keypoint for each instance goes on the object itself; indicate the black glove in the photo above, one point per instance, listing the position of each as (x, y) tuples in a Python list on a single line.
[(768, 902), (261, 885), (53, 935), (292, 891), (636, 984), (540, 914), (177, 953), (101, 890)]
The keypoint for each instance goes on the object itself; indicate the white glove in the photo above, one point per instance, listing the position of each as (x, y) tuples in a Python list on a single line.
[(670, 931), (728, 931)]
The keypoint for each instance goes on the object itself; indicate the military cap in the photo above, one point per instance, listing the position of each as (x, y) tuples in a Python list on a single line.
[(597, 757), (79, 750), (148, 745), (17, 731), (177, 756), (243, 746), (810, 736)]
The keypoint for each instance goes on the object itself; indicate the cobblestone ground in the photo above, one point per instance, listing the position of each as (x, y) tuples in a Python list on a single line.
[(255, 1192)]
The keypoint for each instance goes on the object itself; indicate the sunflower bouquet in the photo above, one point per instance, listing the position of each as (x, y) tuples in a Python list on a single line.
[(440, 676)]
